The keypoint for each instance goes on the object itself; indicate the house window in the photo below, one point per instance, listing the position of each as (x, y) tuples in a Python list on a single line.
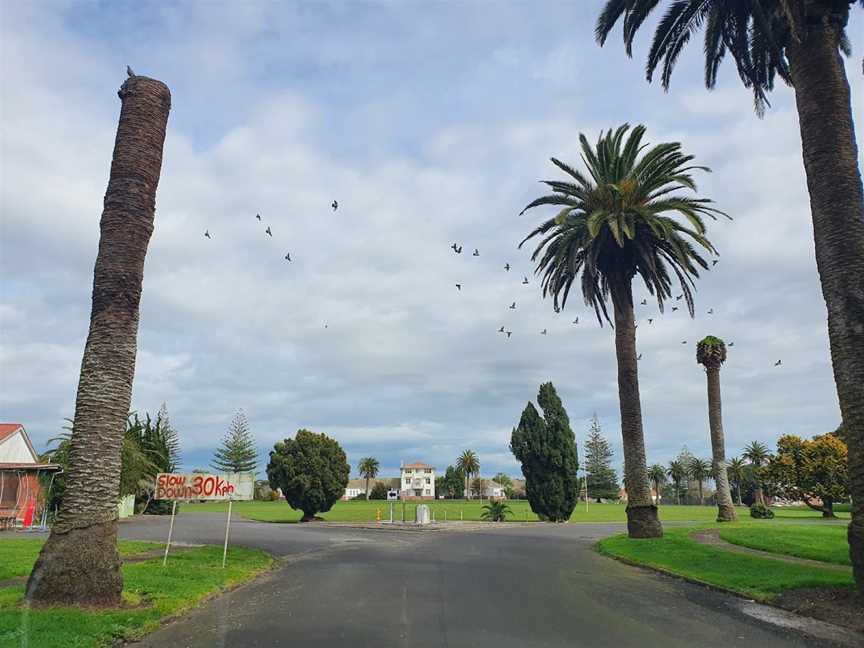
[(427, 492), (428, 481)]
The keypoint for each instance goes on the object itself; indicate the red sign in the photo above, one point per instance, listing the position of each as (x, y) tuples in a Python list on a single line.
[(230, 486)]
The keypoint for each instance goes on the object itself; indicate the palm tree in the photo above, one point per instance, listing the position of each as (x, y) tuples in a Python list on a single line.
[(677, 472), (368, 468), (657, 475), (615, 223), (699, 470), (469, 465), (495, 511), (735, 468), (757, 454), (711, 353), (64, 574), (800, 41)]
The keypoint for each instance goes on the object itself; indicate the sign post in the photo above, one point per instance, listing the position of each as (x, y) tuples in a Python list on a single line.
[(170, 531), (180, 487)]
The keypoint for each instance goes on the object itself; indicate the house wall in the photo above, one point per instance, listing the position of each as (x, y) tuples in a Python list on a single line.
[(407, 483), (14, 450)]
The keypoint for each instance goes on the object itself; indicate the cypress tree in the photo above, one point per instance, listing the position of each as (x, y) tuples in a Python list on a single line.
[(602, 480), (546, 447), (237, 452)]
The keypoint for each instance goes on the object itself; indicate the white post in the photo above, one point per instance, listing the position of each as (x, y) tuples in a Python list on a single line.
[(170, 532), (227, 527)]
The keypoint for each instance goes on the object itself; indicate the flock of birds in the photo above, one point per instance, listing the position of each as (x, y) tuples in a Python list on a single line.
[(457, 249)]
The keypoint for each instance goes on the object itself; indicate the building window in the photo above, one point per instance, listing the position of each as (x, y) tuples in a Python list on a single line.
[(427, 492), (428, 481)]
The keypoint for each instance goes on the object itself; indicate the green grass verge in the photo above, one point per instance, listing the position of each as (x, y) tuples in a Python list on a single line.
[(360, 511), (17, 555), (151, 592), (825, 543), (753, 576)]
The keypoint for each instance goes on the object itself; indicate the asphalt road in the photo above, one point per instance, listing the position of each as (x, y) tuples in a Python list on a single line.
[(514, 586)]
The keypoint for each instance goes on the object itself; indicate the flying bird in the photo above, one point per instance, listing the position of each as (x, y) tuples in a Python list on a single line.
[(476, 252), (683, 341), (268, 231), (524, 281), (258, 216), (576, 321), (130, 72), (513, 306), (207, 233), (710, 311), (459, 250), (501, 330), (674, 308), (334, 205), (557, 309), (509, 333), (650, 321), (715, 262), (459, 286), (644, 302), (543, 332), (678, 298), (778, 363), (288, 257), (731, 344), (507, 267), (639, 357)]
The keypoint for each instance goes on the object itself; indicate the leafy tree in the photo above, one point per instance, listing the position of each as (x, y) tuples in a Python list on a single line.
[(495, 511), (737, 471), (613, 224), (700, 470), (159, 446), (237, 452), (546, 447), (800, 41), (602, 480), (505, 482), (451, 484), (379, 491), (469, 465), (811, 470), (757, 454), (657, 475), (711, 354), (64, 574), (368, 468), (677, 472), (311, 470)]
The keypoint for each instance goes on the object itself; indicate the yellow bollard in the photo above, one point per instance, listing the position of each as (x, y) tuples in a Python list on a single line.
[(377, 515)]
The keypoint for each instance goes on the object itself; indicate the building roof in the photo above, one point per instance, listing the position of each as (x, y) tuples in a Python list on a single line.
[(48, 467), (8, 429), (418, 464), (360, 482)]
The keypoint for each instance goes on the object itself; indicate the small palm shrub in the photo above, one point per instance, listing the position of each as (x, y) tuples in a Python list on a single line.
[(495, 511), (761, 512)]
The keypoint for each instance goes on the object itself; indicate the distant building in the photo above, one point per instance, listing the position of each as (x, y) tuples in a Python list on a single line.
[(21, 496), (489, 490), (417, 481), (357, 487)]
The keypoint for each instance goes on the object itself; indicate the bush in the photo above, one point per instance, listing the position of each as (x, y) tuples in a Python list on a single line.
[(761, 512), (361, 497), (311, 470), (378, 491)]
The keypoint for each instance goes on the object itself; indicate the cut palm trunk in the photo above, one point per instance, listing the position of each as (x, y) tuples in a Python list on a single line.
[(837, 208), (79, 563)]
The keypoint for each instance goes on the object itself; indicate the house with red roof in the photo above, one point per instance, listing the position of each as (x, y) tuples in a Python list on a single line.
[(21, 495)]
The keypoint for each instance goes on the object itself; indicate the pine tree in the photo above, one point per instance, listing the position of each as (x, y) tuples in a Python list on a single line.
[(602, 480), (546, 447), (237, 452), (172, 438)]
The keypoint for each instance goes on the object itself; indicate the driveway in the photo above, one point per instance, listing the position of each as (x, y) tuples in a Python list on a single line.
[(516, 586)]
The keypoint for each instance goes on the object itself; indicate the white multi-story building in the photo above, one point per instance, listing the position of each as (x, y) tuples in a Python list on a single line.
[(417, 481)]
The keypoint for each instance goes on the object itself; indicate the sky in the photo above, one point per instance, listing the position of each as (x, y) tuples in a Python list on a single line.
[(430, 123)]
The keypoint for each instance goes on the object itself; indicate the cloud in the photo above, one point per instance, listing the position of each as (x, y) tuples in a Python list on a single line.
[(427, 132)]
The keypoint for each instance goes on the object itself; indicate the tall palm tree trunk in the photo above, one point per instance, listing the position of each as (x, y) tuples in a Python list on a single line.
[(837, 207), (642, 520), (79, 563), (725, 508), (367, 488)]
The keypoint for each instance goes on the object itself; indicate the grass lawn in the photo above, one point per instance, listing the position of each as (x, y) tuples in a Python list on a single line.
[(758, 578), (17, 555), (150, 591), (825, 543), (360, 511)]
